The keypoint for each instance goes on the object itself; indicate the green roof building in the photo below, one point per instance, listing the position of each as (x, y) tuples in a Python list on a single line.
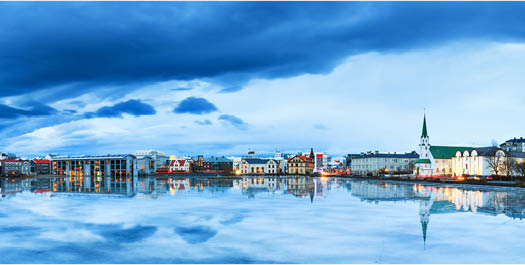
[(434, 160)]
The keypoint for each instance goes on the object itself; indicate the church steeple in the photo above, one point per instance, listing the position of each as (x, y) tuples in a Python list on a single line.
[(312, 153), (424, 145), (424, 134)]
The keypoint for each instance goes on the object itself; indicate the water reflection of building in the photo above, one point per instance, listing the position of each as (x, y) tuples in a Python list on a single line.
[(106, 185), (253, 185), (307, 186), (211, 184), (442, 200), (11, 186), (178, 185)]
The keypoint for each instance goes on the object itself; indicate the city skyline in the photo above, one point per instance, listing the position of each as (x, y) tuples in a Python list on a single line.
[(224, 78)]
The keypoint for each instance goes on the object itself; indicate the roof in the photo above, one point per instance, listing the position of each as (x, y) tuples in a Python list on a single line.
[(446, 152), (10, 160), (513, 141), (41, 161), (217, 159), (301, 157), (182, 162), (412, 154), (422, 161), (256, 160), (485, 151), (91, 157), (424, 133)]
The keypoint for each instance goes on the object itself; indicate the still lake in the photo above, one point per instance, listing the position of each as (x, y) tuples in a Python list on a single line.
[(258, 220)]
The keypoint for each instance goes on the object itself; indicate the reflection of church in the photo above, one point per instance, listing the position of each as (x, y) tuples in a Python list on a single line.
[(442, 200)]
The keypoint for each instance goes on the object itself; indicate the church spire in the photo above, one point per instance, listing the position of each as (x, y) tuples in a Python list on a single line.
[(312, 153), (424, 134), (424, 226)]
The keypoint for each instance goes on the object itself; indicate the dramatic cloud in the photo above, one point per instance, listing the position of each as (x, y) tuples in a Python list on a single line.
[(340, 73), (195, 105), (235, 121), (132, 107), (8, 112), (92, 46)]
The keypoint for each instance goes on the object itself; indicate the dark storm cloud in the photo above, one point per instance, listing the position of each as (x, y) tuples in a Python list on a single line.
[(195, 105), (235, 121), (44, 45), (8, 112), (132, 107)]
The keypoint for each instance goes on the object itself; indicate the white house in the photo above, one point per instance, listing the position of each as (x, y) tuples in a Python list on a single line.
[(475, 161), (374, 162), (179, 166), (259, 166)]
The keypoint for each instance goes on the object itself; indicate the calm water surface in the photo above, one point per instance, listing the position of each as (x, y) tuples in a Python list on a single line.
[(258, 220)]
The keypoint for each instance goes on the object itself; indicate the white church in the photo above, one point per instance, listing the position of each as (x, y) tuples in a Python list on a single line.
[(435, 160)]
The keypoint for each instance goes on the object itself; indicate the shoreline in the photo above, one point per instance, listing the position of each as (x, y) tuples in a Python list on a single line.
[(514, 184)]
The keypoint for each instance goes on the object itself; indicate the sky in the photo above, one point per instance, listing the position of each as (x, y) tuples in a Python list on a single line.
[(227, 77)]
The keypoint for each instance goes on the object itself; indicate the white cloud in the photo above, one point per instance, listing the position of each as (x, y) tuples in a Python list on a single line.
[(472, 93)]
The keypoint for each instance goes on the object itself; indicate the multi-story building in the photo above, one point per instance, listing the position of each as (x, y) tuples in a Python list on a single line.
[(374, 163), (514, 145), (434, 160), (301, 165), (179, 166), (160, 158), (212, 164), (321, 162), (475, 161), (146, 165), (119, 166), (258, 166), (282, 160), (12, 167), (40, 166)]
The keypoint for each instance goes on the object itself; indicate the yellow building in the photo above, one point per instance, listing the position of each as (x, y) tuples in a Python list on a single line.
[(301, 165)]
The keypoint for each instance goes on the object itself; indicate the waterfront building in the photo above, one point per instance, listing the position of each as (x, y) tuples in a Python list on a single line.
[(435, 160), (179, 166), (282, 160), (115, 166), (301, 165), (26, 168), (514, 145), (374, 163), (11, 167), (258, 166), (40, 166), (212, 164), (475, 161), (321, 162), (160, 158), (146, 165)]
